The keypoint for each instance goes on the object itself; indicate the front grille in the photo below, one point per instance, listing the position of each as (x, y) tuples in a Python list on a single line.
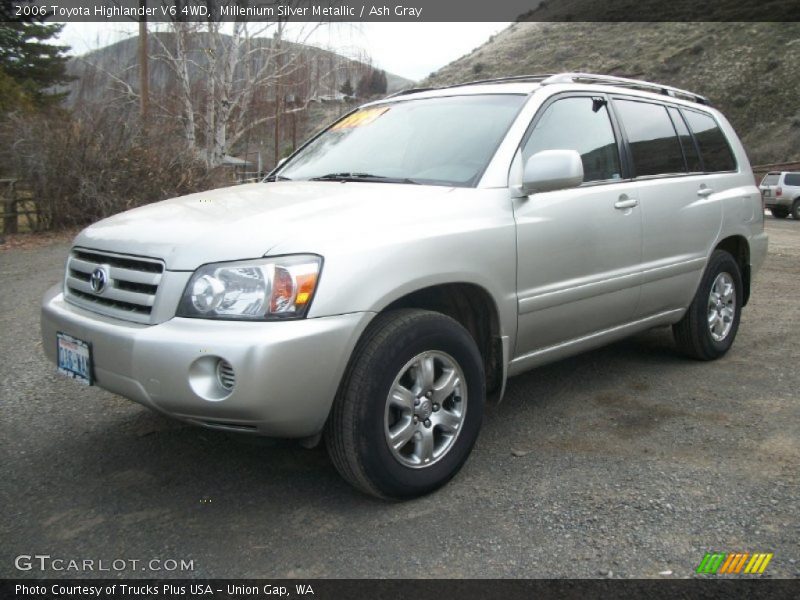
[(130, 289)]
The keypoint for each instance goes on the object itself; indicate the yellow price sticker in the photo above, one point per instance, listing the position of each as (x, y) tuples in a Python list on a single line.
[(360, 118)]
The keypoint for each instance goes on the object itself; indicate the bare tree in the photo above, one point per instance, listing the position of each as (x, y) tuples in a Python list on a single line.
[(227, 80), (223, 83)]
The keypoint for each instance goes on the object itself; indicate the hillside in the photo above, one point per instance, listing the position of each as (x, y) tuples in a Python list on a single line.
[(93, 71), (108, 75), (748, 70)]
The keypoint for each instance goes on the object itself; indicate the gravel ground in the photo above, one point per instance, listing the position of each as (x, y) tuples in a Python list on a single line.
[(625, 462)]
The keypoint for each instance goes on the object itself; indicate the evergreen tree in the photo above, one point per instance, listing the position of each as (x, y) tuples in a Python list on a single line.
[(381, 84), (347, 88), (362, 89), (29, 64), (373, 83)]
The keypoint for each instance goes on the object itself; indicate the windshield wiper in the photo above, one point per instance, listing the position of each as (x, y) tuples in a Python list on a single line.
[(347, 176), (276, 178)]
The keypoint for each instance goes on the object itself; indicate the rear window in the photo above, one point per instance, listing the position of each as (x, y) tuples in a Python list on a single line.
[(771, 179), (714, 148), (791, 179), (654, 144)]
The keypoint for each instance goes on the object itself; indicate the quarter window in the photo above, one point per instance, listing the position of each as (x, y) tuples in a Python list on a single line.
[(714, 148), (580, 124), (652, 138)]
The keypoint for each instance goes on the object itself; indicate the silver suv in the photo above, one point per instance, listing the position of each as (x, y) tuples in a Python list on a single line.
[(781, 193), (391, 275)]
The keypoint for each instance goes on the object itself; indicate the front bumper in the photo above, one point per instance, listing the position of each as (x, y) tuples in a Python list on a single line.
[(287, 373)]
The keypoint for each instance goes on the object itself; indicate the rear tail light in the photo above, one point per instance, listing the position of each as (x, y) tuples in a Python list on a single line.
[(778, 192)]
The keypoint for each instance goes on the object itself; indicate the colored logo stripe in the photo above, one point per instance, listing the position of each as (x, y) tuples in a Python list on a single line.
[(711, 562), (734, 563), (731, 563), (758, 563)]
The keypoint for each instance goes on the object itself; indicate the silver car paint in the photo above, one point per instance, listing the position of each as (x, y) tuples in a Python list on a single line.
[(287, 373), (554, 295)]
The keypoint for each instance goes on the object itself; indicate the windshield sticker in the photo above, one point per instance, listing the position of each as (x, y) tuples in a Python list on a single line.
[(360, 118)]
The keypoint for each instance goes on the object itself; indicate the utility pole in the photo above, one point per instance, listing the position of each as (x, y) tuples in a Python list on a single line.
[(294, 129), (144, 79), (278, 89)]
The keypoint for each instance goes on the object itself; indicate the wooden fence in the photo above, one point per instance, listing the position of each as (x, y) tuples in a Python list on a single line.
[(14, 204)]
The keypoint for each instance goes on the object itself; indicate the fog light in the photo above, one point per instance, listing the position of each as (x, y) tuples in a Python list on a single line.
[(225, 374), (212, 378)]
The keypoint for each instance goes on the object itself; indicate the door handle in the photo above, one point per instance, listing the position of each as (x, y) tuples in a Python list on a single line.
[(625, 202), (705, 192)]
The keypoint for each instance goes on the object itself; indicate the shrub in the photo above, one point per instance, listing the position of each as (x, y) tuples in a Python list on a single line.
[(81, 167)]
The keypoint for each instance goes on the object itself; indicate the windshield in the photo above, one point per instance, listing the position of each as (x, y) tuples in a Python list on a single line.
[(436, 141)]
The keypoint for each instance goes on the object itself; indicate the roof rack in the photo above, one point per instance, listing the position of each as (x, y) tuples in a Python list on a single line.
[(550, 78), (413, 90), (667, 90), (520, 78), (510, 78)]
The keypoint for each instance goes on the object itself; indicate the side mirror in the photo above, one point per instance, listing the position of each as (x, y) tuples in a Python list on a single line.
[(551, 170)]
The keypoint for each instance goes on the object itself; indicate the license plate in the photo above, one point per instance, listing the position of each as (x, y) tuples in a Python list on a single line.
[(74, 358), (766, 193)]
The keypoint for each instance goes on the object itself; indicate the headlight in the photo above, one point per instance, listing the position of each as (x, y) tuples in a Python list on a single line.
[(269, 288)]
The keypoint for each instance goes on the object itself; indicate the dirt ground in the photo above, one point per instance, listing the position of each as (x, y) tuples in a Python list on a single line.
[(629, 461)]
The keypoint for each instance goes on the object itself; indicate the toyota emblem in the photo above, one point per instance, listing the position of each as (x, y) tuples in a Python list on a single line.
[(99, 280)]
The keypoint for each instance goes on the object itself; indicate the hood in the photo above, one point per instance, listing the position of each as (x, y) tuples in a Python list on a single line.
[(249, 221)]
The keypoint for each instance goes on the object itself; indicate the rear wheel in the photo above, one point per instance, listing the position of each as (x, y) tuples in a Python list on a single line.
[(779, 213), (709, 327), (796, 209), (410, 406)]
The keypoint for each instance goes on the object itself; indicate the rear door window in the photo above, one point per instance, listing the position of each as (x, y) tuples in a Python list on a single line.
[(791, 179), (654, 144), (714, 148)]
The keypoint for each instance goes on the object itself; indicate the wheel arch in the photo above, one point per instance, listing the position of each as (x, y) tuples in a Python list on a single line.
[(475, 309), (738, 247)]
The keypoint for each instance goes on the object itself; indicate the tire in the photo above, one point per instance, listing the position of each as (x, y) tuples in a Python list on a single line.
[(364, 416), (779, 213), (695, 334), (796, 210)]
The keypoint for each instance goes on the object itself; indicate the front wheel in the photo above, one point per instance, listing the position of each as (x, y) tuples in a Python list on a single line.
[(709, 327), (410, 406)]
